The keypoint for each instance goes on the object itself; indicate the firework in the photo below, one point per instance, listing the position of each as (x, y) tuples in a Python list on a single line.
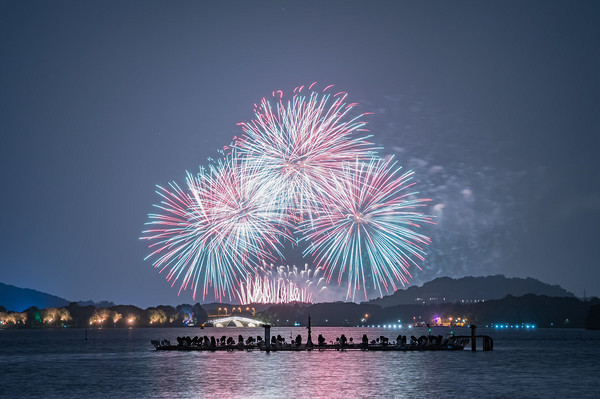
[(217, 231), (283, 284), (301, 140), (303, 168), (366, 225)]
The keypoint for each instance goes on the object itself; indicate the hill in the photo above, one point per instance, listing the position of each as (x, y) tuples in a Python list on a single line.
[(18, 299), (470, 290)]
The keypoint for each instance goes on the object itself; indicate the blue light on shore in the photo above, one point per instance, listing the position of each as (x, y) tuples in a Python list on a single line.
[(522, 325)]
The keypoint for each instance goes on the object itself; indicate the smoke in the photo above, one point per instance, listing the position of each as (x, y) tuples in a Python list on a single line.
[(455, 164)]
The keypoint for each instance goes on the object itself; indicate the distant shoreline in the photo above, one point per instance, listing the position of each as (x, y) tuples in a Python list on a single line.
[(527, 310)]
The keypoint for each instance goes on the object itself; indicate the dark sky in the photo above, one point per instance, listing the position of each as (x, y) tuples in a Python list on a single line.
[(495, 105)]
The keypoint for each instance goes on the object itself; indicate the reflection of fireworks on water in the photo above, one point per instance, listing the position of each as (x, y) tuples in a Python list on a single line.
[(368, 219), (301, 140), (283, 284), (218, 230)]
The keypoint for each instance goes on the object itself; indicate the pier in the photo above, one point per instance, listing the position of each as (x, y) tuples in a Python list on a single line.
[(278, 344)]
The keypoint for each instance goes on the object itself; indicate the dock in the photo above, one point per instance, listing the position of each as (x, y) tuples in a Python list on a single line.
[(302, 348), (278, 344)]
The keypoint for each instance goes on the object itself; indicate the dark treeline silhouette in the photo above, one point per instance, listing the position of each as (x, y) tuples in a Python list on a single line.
[(543, 311), (593, 319)]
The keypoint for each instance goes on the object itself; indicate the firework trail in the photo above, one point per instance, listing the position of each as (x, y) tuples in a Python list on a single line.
[(281, 285), (217, 231), (302, 169), (368, 220), (301, 140)]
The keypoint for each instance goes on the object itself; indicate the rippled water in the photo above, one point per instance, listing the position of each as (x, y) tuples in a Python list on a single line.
[(121, 363)]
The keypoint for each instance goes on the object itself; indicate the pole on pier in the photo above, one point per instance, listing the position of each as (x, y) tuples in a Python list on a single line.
[(267, 337), (309, 343), (473, 337)]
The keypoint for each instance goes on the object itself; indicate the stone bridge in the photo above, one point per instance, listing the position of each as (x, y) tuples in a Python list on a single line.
[(237, 321)]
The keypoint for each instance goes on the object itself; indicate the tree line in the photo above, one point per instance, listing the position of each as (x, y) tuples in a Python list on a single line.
[(543, 311), (90, 316)]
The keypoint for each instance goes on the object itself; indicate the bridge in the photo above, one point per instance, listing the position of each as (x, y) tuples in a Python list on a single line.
[(237, 321)]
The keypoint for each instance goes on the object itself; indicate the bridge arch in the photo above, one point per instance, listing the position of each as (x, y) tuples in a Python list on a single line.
[(237, 321)]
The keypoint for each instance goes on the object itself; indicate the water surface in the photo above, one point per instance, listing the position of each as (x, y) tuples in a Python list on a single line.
[(59, 363)]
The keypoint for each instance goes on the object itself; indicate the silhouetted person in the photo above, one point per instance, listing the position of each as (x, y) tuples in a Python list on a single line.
[(321, 340)]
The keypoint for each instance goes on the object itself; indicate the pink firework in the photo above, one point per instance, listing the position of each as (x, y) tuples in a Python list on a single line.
[(301, 140), (219, 230)]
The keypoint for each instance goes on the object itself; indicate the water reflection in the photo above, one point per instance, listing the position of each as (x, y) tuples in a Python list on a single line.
[(122, 363)]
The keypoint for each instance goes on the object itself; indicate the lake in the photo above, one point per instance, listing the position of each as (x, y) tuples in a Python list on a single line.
[(121, 363)]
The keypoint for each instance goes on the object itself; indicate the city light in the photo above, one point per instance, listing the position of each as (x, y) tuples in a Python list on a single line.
[(515, 326)]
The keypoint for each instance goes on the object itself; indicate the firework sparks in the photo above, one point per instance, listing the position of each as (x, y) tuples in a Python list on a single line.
[(301, 164), (301, 140), (368, 220), (217, 231), (283, 284)]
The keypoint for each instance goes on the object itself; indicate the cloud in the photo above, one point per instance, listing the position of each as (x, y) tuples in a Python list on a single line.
[(467, 193), (418, 162), (437, 208)]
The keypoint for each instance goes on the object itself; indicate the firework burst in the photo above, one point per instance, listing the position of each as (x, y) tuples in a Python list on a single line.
[(368, 219), (303, 168), (217, 231), (283, 284), (301, 140)]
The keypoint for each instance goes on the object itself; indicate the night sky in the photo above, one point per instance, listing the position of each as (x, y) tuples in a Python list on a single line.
[(494, 105)]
